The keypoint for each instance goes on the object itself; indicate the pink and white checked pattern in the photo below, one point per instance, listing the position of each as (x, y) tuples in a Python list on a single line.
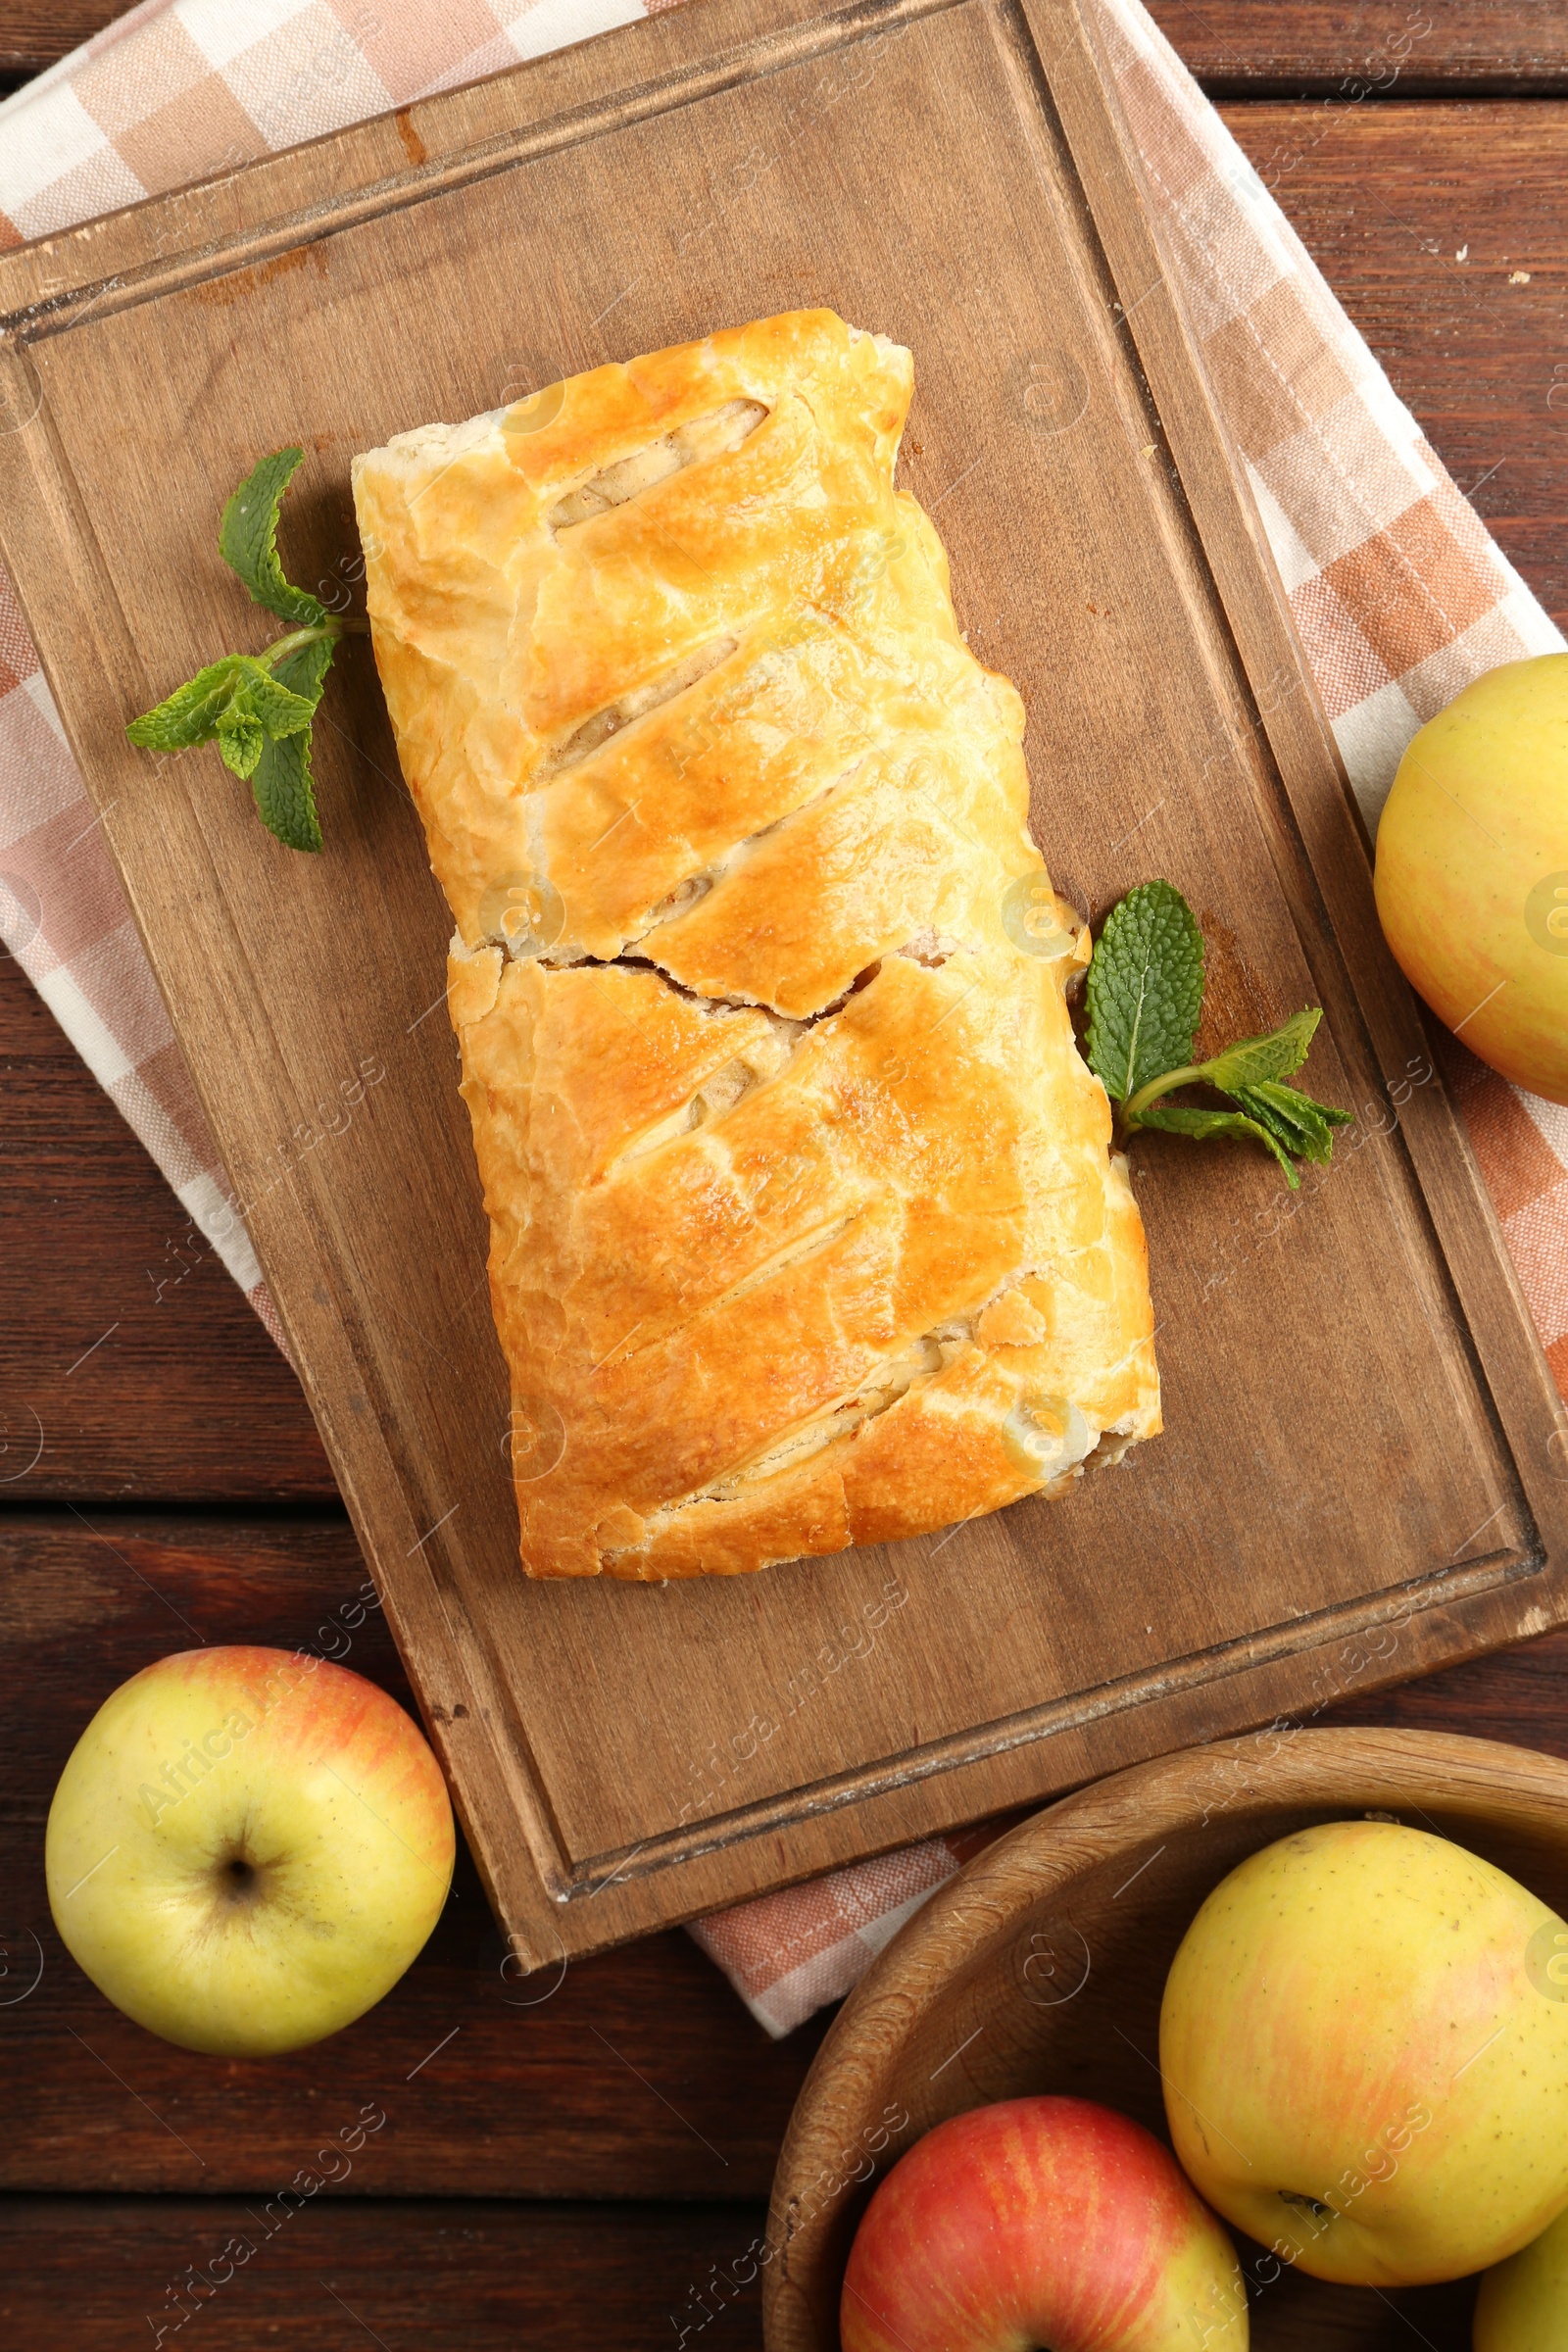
[(1399, 595)]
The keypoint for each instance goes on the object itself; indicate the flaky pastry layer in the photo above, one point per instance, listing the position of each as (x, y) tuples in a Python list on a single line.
[(806, 1226)]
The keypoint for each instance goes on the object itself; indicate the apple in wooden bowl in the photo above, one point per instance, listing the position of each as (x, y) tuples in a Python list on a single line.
[(1042, 1967), (1041, 2222)]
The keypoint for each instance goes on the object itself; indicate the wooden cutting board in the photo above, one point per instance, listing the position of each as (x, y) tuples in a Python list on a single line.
[(1365, 1471)]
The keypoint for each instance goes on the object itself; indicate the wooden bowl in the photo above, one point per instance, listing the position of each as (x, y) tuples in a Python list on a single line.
[(1041, 1966)]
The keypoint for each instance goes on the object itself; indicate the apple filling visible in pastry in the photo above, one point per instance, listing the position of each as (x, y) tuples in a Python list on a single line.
[(806, 1226)]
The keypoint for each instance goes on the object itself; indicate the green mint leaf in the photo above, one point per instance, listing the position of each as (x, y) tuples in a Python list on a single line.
[(240, 737), (1145, 990), (247, 540), (221, 700), (1254, 1059), (278, 710), (191, 712), (284, 793), (1175, 1119), (1302, 1125), (282, 786)]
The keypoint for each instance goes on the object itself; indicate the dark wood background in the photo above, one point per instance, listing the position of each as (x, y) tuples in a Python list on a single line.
[(579, 2170)]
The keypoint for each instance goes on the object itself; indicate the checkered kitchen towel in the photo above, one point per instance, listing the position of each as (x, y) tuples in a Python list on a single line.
[(1399, 595)]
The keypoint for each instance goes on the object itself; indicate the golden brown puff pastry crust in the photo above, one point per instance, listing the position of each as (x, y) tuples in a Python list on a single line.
[(806, 1226)]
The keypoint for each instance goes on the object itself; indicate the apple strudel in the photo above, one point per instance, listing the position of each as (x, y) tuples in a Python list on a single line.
[(806, 1230)]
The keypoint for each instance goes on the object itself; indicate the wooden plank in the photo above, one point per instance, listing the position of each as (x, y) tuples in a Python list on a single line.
[(636, 2074), (535, 2109), (640, 2074), (81, 2276), (1423, 217), (1366, 49), (96, 2274), (1514, 45), (131, 1364), (33, 33), (1519, 1696), (1059, 1650)]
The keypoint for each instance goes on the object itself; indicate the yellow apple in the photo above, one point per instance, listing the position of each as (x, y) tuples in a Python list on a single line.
[(1523, 2305), (247, 1847), (1365, 2041), (1472, 869)]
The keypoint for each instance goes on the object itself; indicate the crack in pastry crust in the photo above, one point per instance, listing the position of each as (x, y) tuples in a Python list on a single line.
[(805, 1225)]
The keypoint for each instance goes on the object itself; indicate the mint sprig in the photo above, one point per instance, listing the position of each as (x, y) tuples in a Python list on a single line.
[(259, 708), (1146, 999)]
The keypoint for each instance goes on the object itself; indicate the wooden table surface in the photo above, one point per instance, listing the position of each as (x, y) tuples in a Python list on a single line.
[(577, 2170)]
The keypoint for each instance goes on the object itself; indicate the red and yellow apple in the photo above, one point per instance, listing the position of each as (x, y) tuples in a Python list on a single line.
[(1364, 2040), (247, 1847), (1040, 2221), (1522, 2304), (1472, 869)]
